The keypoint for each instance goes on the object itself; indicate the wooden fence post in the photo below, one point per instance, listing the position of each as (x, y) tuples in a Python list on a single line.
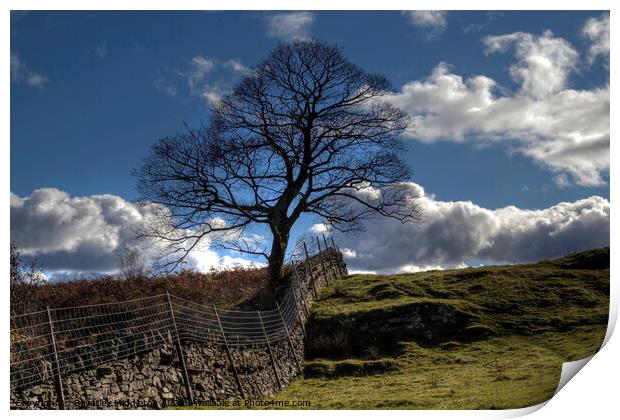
[(338, 261), (60, 394), (290, 342), (230, 359), (341, 263), (302, 296), (336, 257), (273, 361), (311, 271), (297, 309), (188, 385), (331, 259), (301, 324), (321, 259)]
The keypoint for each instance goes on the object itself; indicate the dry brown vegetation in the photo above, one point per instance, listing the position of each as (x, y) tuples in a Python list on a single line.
[(235, 288)]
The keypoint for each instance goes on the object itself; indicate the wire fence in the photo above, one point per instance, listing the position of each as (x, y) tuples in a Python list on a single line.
[(50, 344)]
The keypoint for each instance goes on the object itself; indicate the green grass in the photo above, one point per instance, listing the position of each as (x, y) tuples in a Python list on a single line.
[(520, 324), (498, 373)]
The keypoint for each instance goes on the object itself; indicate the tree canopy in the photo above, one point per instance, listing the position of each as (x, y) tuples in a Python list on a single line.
[(306, 131)]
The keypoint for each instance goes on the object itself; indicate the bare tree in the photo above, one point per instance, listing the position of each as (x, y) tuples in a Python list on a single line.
[(131, 263), (305, 132)]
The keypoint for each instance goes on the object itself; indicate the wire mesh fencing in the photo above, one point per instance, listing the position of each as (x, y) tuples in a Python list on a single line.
[(50, 344)]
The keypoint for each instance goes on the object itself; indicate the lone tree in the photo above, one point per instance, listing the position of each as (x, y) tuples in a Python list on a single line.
[(306, 131)]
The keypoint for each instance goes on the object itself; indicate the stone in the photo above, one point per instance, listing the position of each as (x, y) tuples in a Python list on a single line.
[(166, 356), (155, 375), (149, 393), (104, 371)]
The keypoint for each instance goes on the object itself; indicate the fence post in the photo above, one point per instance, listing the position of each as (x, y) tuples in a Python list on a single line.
[(188, 384), (290, 341), (60, 394), (302, 296), (273, 361), (337, 259), (301, 324), (341, 263), (321, 259), (298, 313), (331, 259), (311, 271), (230, 359)]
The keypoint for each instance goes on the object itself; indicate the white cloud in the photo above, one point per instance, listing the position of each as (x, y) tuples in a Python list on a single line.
[(597, 31), (290, 25), (205, 261), (319, 228), (456, 232), (362, 272), (208, 78), (543, 62), (20, 73), (236, 65), (348, 253), (198, 70), (565, 130), (212, 92), (561, 180), (433, 21), (84, 234)]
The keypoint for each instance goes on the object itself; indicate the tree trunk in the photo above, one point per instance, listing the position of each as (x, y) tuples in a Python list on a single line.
[(278, 251)]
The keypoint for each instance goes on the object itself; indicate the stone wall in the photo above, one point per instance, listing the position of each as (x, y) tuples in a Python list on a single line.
[(154, 379)]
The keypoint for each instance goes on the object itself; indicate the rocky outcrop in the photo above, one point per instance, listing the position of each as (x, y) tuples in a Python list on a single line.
[(379, 331)]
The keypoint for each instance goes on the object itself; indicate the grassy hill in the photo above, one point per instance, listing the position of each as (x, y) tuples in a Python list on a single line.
[(476, 338)]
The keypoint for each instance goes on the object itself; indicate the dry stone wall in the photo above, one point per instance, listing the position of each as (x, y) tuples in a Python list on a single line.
[(155, 379)]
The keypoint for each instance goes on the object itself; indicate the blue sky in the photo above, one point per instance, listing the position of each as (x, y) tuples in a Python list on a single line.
[(92, 91)]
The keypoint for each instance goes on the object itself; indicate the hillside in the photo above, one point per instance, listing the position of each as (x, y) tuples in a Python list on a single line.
[(479, 338)]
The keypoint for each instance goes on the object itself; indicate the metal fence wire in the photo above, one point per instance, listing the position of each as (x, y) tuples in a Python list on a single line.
[(49, 344)]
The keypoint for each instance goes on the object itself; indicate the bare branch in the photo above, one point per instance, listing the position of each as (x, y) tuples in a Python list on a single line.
[(305, 132)]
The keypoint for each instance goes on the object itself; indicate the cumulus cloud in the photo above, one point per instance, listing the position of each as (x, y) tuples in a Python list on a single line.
[(565, 130), (543, 62), (432, 21), (454, 233), (290, 25), (596, 30), (20, 73), (84, 234), (210, 260)]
